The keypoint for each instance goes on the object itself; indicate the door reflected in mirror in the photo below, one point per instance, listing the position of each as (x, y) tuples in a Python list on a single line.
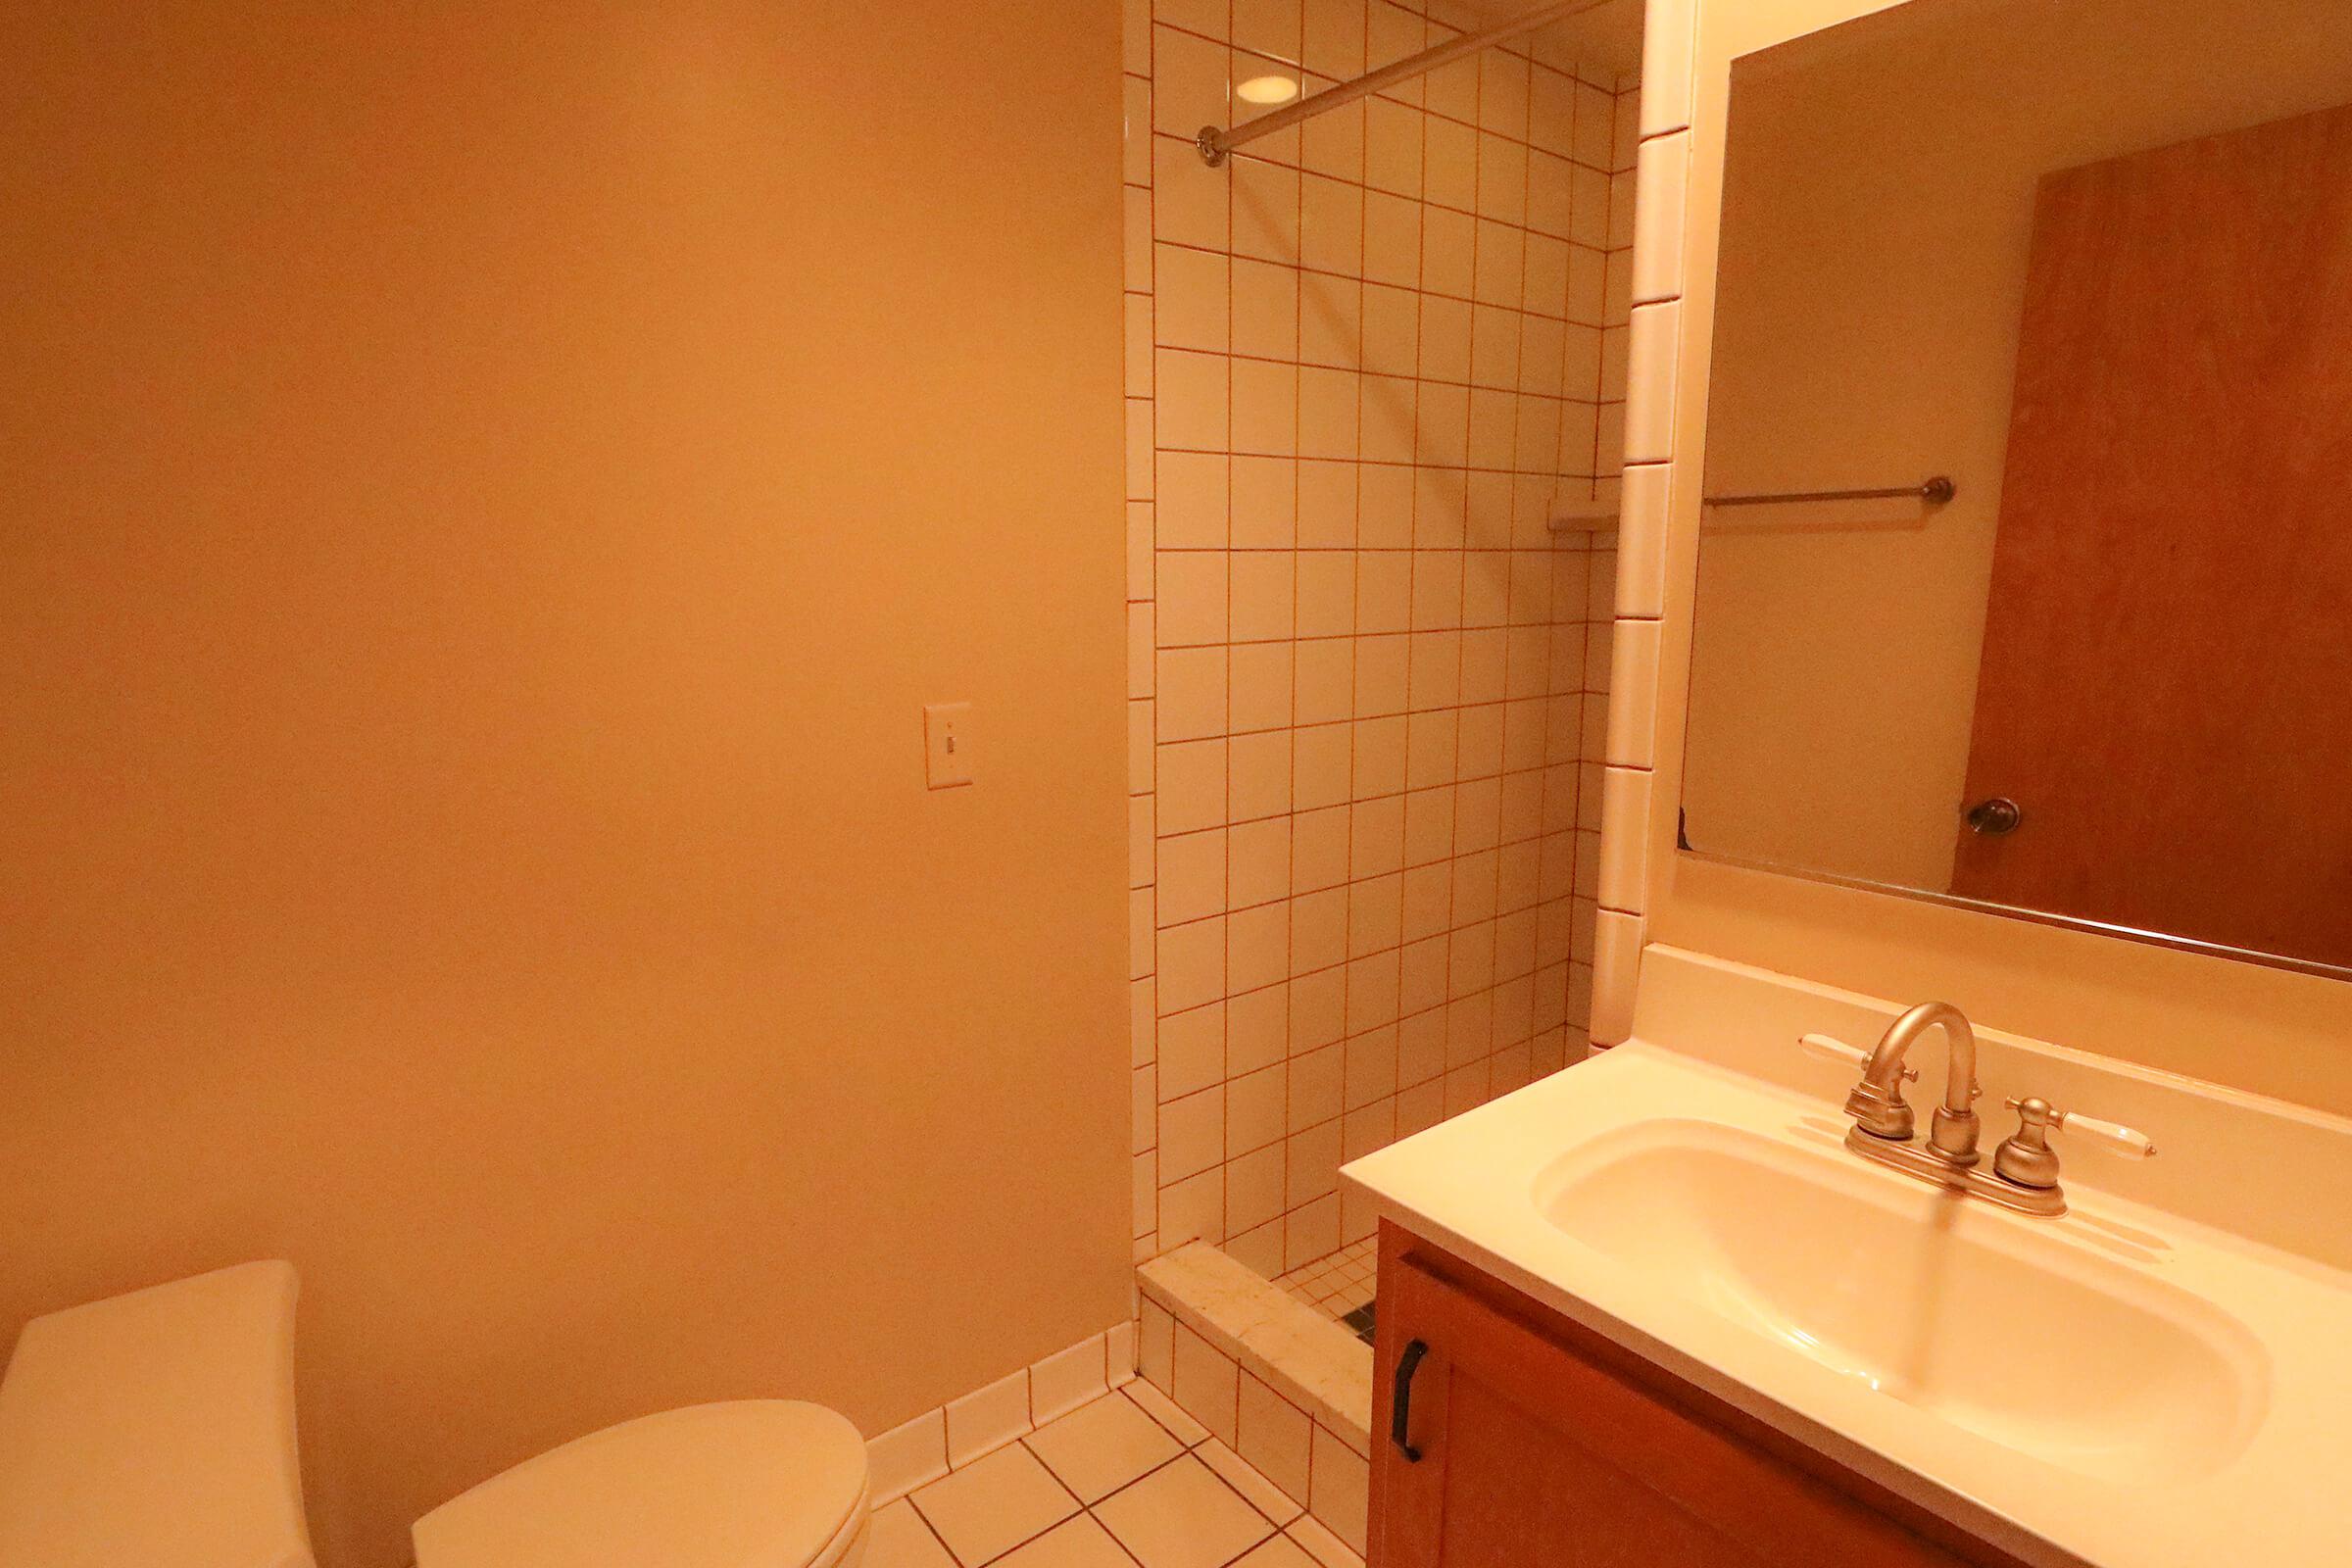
[(2091, 263)]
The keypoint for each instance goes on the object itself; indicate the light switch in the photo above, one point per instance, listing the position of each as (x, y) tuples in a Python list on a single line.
[(948, 744)]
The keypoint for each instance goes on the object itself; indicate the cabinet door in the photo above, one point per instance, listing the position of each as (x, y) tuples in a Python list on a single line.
[(1532, 1456)]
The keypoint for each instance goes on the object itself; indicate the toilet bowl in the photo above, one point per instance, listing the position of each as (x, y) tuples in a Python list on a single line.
[(756, 1484), (158, 1428)]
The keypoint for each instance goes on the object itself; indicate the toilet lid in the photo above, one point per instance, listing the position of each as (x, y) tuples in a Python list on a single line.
[(754, 1483)]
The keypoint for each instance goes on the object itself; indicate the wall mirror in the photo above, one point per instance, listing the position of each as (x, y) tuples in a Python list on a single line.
[(2026, 572)]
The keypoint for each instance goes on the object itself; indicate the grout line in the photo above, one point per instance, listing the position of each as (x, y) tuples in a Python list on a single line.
[(924, 1520)]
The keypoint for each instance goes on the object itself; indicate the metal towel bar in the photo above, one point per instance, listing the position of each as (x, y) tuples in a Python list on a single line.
[(1935, 492)]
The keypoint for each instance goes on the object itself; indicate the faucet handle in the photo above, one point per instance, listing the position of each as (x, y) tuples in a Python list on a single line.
[(2112, 1136), (1832, 1049)]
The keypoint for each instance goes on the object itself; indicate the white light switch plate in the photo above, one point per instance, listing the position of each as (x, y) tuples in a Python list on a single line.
[(948, 745)]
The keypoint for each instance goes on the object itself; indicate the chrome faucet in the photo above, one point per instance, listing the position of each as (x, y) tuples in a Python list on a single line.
[(1877, 1103), (2024, 1173)]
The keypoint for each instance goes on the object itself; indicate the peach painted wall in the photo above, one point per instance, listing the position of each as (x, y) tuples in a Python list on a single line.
[(2259, 1029), (489, 490)]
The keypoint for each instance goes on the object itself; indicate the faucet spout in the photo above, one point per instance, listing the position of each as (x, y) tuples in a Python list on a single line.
[(1876, 1101)]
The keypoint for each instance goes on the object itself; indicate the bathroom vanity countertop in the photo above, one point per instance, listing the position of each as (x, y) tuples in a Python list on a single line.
[(1883, 1323)]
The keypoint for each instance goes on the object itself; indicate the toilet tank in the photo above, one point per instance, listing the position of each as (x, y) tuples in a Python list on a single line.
[(157, 1429)]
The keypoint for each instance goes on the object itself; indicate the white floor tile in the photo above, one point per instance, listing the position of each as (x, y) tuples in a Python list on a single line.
[(899, 1539), (1182, 1516), (1280, 1552), (1099, 1447), (1260, 1492), (1079, 1543), (994, 1505), (1322, 1545), (1162, 1409)]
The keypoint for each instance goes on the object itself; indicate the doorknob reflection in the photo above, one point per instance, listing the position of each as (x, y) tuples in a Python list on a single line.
[(1996, 817)]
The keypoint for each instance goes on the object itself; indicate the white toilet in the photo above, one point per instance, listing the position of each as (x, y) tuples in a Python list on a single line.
[(158, 1428)]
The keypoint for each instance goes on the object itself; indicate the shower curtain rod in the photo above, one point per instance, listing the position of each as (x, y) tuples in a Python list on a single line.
[(1214, 144)]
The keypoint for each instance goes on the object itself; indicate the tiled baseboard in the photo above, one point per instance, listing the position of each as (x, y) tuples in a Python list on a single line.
[(961, 1431), (1287, 1389)]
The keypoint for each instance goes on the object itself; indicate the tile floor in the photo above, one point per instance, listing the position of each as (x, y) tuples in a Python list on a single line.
[(1336, 1285), (1128, 1481)]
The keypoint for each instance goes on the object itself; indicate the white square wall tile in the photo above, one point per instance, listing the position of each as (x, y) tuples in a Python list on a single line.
[(1189, 71), (1342, 1489), (908, 1455), (1156, 1347), (1140, 856), (1194, 592), (1137, 126), (1136, 235), (1658, 217), (1207, 1383), (1207, 17), (1142, 666), (1063, 1382), (1192, 298), (988, 1419), (1642, 540), (1140, 936), (1190, 685), (1191, 510), (1625, 838), (1193, 1209), (1275, 1436), (1192, 965), (1651, 364), (1668, 51), (1616, 969), (1633, 694), (1192, 784), (1191, 409), (1139, 449)]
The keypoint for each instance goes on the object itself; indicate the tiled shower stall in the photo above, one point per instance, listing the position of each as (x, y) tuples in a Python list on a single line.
[(1370, 363)]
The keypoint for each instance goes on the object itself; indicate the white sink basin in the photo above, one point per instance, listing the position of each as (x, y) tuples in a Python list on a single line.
[(2134, 1384), (1924, 1296)]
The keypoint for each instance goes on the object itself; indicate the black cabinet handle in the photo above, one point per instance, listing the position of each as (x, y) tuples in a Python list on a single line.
[(1400, 1408)]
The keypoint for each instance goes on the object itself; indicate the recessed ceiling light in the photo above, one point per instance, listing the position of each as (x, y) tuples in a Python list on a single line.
[(1268, 90)]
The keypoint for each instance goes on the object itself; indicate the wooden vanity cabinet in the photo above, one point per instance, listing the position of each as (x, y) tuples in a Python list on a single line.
[(1541, 1445)]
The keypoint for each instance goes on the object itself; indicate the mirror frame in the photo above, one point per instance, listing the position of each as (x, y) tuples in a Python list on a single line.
[(2019, 911)]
